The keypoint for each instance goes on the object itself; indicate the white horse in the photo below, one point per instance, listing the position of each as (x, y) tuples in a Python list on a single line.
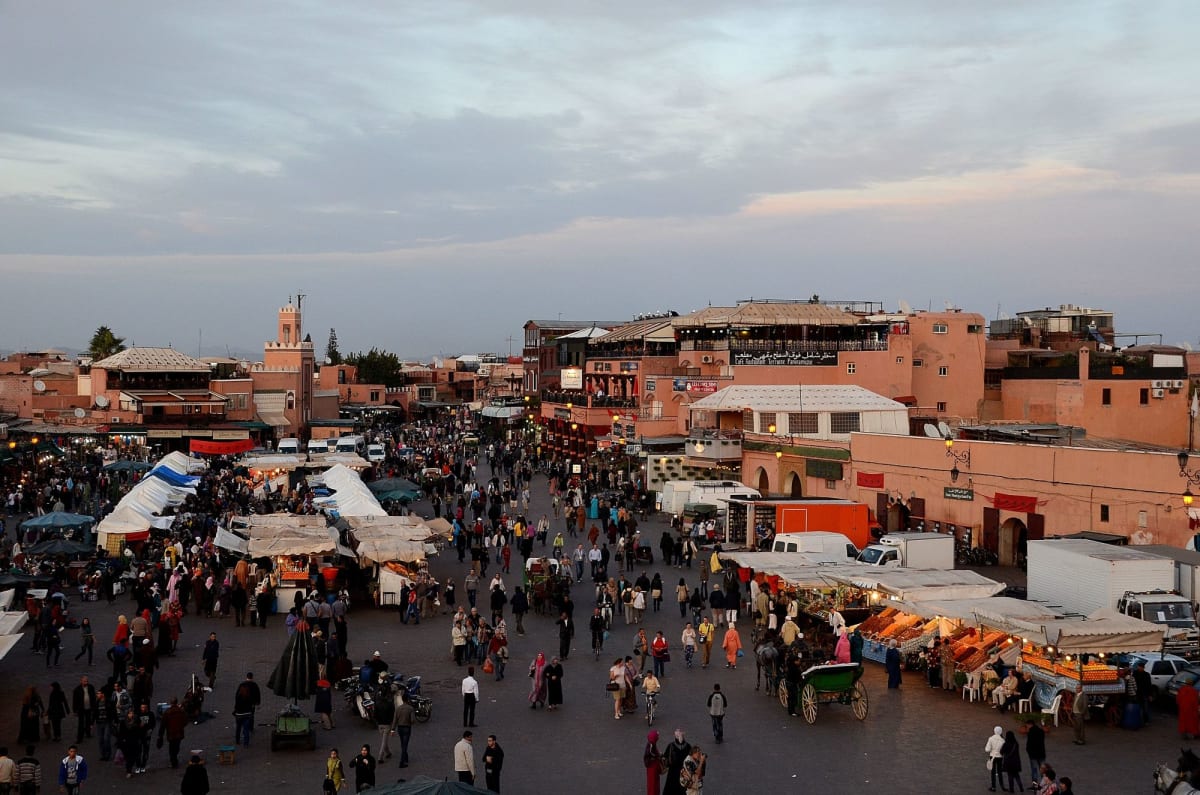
[(1178, 782)]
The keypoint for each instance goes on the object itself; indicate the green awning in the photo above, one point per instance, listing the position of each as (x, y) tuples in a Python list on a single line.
[(252, 425)]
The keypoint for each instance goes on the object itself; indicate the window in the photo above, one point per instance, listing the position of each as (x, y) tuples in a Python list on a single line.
[(992, 378), (1104, 513), (849, 368), (899, 360), (291, 401), (918, 362), (843, 422), (943, 370), (1144, 397), (374, 395), (765, 420), (941, 407), (1106, 397), (974, 328), (341, 375), (940, 328), (802, 422), (830, 484)]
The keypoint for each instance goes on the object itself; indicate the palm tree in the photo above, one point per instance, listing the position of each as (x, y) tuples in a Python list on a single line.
[(104, 344)]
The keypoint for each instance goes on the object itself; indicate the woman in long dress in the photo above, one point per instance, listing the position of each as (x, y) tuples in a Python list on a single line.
[(1188, 702), (732, 645), (891, 661), (537, 688), (652, 759), (629, 696), (554, 675)]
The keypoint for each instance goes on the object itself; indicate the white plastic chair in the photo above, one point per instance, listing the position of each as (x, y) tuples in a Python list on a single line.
[(971, 691), (1025, 705), (1054, 705)]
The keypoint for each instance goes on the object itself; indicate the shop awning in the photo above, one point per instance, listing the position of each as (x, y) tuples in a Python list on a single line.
[(273, 419), (912, 585), (503, 412), (231, 542), (1103, 632), (994, 611)]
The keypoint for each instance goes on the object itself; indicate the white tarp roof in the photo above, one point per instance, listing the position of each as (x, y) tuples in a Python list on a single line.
[(994, 611), (287, 462), (12, 622), (297, 541), (912, 585), (503, 412), (1104, 632), (7, 642), (231, 541), (384, 538), (381, 550)]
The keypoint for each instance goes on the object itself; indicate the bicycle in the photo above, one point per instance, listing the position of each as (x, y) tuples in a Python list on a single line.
[(651, 706), (597, 644)]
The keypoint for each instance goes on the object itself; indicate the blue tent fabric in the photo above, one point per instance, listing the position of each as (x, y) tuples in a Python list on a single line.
[(58, 519), (172, 477)]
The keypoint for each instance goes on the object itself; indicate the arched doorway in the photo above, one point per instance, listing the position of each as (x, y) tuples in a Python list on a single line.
[(1013, 536), (762, 482), (795, 487)]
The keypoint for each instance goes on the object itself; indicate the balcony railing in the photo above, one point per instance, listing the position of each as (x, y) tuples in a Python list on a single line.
[(580, 400), (715, 448), (805, 346)]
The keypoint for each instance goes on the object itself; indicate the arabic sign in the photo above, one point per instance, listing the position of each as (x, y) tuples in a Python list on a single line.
[(869, 480), (952, 493), (798, 358)]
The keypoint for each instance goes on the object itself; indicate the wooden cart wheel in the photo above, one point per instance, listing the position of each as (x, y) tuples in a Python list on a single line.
[(859, 701), (808, 703), (782, 690)]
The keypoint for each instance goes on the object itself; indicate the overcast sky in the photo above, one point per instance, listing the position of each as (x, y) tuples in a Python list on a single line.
[(432, 175)]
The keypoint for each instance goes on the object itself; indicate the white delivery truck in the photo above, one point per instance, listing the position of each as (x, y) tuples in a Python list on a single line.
[(351, 444), (1082, 576), (376, 453), (318, 446), (288, 447), (677, 493), (1187, 569), (819, 542), (911, 551)]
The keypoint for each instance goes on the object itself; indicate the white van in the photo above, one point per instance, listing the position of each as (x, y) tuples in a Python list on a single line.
[(288, 447), (351, 444), (376, 454), (818, 542), (318, 446)]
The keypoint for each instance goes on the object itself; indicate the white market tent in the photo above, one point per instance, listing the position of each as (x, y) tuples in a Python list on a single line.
[(1104, 631), (269, 462), (7, 642), (141, 508), (385, 538), (350, 497), (994, 611), (12, 622), (231, 541)]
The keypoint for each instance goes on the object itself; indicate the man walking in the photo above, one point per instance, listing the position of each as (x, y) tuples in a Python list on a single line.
[(405, 716), (385, 719), (1145, 690), (493, 763), (464, 759), (72, 772), (210, 657), (172, 725), (85, 707), (27, 776), (716, 710), (470, 694), (7, 769), (246, 699)]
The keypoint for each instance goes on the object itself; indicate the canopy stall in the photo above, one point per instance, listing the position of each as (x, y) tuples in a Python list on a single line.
[(350, 495), (141, 508), (913, 585)]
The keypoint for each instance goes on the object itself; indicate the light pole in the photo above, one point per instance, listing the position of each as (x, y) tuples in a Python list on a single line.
[(963, 457), (1192, 476)]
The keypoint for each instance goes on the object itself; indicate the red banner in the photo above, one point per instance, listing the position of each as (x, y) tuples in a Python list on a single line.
[(1014, 502), (221, 448), (869, 480)]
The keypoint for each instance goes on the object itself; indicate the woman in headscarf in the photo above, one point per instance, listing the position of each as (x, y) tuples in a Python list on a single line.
[(554, 675), (675, 753), (1188, 702), (732, 644), (537, 688), (841, 651), (629, 695), (891, 661), (1010, 761), (856, 646), (652, 759)]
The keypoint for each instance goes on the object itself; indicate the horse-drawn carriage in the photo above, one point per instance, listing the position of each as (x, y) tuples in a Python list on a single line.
[(837, 683), (547, 583)]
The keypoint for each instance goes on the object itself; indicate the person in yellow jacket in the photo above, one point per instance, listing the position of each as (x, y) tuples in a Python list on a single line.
[(335, 777), (704, 636)]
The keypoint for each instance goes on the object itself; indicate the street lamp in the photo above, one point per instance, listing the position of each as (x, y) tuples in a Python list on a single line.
[(778, 454), (771, 428), (963, 457)]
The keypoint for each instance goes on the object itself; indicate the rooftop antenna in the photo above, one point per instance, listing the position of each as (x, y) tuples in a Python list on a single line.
[(300, 300), (199, 342)]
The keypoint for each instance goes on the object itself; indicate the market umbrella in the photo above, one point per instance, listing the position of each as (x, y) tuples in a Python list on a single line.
[(295, 676), (59, 519), (384, 485), (423, 785), (127, 466), (59, 546), (397, 496)]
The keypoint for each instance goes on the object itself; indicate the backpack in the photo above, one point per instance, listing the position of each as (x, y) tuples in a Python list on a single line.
[(385, 709)]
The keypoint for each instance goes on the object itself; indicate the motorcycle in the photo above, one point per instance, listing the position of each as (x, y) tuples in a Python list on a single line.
[(360, 698)]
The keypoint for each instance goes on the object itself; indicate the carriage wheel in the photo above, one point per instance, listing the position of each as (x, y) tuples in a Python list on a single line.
[(808, 703), (783, 694), (859, 701)]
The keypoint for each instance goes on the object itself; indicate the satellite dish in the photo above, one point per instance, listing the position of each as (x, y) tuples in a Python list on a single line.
[(101, 401), (945, 430), (80, 414), (932, 431), (39, 386), (905, 309)]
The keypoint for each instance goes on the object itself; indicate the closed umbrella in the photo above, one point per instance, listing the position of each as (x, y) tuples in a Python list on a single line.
[(295, 676), (59, 546)]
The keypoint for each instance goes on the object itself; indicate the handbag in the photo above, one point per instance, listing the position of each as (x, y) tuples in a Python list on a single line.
[(612, 687), (666, 656), (741, 653)]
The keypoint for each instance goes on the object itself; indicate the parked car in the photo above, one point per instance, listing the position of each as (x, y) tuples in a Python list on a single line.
[(1188, 677), (1161, 667), (376, 453)]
